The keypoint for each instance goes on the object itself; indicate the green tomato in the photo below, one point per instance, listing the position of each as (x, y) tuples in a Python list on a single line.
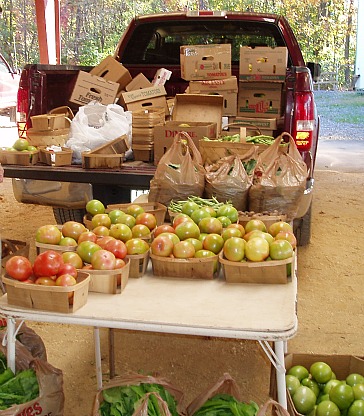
[(357, 408), (342, 395), (299, 371), (304, 400), (292, 384), (312, 384), (321, 372), (327, 408)]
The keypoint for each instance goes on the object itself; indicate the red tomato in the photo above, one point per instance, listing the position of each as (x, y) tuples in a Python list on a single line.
[(117, 247), (103, 260), (47, 263), (67, 268), (19, 268)]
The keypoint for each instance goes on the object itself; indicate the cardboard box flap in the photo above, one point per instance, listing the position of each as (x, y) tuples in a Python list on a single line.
[(198, 108), (112, 70), (212, 85), (144, 94)]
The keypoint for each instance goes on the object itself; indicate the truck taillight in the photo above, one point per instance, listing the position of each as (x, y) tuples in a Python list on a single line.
[(304, 123), (22, 109)]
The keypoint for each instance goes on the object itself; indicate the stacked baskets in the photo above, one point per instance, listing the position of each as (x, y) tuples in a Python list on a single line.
[(143, 125)]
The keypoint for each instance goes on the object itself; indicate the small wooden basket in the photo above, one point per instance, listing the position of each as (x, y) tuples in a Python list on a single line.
[(107, 156), (159, 210), (41, 247), (264, 272), (138, 264), (267, 219), (194, 268), (61, 299), (26, 158), (109, 281), (55, 158)]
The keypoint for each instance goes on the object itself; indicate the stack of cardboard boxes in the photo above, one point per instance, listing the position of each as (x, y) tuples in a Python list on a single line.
[(212, 93), (262, 72)]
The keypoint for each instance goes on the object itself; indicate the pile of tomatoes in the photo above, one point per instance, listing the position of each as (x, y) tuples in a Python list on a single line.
[(317, 391), (49, 268)]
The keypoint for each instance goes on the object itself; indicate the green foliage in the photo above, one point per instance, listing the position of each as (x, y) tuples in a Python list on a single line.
[(91, 29)]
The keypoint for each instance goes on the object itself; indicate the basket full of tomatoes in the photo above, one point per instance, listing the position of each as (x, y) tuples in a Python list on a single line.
[(48, 284)]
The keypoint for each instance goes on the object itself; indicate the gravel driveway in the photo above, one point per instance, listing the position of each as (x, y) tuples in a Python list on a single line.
[(341, 114)]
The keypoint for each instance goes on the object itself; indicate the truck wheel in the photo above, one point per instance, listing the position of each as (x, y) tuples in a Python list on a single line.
[(63, 215), (302, 228)]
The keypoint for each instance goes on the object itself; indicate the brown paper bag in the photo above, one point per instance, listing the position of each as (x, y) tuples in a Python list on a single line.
[(50, 379), (136, 379), (180, 172), (279, 180), (225, 385)]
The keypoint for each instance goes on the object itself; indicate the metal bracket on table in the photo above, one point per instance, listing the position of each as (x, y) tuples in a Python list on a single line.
[(279, 366)]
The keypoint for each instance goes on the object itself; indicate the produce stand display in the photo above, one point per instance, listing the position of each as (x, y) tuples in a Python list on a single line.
[(215, 309)]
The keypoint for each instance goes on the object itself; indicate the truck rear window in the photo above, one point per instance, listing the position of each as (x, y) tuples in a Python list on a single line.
[(160, 43)]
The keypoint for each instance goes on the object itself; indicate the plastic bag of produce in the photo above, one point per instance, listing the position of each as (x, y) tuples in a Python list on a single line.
[(139, 395), (180, 172), (96, 124), (222, 396), (36, 387), (279, 180), (230, 178)]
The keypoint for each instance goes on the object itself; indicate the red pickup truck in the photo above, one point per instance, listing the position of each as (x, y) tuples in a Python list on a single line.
[(153, 41)]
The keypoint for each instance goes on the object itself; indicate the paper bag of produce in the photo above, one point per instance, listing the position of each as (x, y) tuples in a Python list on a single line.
[(230, 178), (35, 388), (135, 393), (180, 172), (279, 180)]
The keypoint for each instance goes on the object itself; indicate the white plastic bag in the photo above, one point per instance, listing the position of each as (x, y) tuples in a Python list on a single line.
[(96, 124)]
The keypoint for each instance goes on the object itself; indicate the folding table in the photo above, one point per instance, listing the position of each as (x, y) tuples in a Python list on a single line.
[(262, 312)]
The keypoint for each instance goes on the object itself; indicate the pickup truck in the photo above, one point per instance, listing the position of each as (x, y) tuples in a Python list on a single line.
[(9, 82), (153, 41)]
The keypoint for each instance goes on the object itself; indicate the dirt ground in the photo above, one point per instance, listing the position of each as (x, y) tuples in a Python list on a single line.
[(330, 308)]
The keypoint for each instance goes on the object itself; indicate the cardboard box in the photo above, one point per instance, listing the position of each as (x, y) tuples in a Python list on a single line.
[(89, 87), (161, 76), (259, 99), (263, 63), (145, 98), (138, 82), (198, 108), (341, 365), (112, 70), (199, 62), (199, 115), (164, 135), (228, 88)]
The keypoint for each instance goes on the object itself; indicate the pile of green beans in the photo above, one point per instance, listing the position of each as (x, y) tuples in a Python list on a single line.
[(176, 206)]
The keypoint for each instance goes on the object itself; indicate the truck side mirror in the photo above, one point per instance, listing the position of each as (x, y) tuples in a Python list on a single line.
[(315, 70)]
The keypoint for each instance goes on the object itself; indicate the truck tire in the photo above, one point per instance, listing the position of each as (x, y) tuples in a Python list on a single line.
[(63, 215), (302, 228)]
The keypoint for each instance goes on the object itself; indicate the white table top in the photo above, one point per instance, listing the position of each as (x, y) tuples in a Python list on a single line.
[(185, 306)]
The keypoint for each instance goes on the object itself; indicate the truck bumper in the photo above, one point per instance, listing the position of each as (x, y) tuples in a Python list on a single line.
[(306, 199)]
